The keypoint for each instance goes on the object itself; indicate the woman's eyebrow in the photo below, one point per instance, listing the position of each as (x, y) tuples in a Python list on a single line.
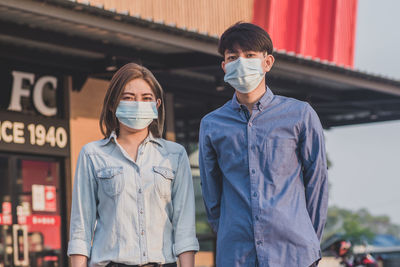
[(147, 94), (127, 93)]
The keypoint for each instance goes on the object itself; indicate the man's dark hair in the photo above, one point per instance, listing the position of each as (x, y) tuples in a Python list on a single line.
[(247, 36)]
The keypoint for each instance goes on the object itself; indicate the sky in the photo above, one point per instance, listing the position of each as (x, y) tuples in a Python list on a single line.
[(365, 170)]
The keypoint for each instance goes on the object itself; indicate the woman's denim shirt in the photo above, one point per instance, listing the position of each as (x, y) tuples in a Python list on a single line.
[(132, 212)]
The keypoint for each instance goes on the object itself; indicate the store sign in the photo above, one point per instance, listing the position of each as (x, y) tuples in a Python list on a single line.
[(19, 91), (30, 111), (31, 134), (44, 198), (51, 220)]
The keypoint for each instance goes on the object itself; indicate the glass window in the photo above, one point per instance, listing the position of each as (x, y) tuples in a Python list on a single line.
[(30, 212)]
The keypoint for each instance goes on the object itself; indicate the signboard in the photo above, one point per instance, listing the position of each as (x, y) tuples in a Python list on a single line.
[(53, 220), (44, 198), (30, 113), (31, 134)]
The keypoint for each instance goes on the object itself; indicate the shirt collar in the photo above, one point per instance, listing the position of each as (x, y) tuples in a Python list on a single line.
[(149, 138), (261, 104)]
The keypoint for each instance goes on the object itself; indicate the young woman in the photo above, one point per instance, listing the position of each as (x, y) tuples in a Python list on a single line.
[(133, 199)]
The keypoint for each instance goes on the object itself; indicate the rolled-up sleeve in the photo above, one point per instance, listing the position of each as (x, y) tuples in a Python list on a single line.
[(183, 218), (83, 210), (315, 171), (211, 178)]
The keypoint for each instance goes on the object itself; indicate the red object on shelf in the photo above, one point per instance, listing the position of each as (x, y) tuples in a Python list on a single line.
[(6, 216), (323, 29)]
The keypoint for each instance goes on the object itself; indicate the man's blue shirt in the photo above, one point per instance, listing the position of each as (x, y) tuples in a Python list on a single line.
[(264, 182)]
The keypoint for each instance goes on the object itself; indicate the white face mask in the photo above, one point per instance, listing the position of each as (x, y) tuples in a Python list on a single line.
[(136, 114), (244, 74)]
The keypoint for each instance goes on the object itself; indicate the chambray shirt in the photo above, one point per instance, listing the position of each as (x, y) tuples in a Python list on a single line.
[(264, 182), (134, 212)]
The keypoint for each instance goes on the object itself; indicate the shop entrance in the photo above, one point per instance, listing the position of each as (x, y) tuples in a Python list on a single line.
[(30, 211)]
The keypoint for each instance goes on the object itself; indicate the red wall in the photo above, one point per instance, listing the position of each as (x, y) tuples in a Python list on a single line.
[(323, 29)]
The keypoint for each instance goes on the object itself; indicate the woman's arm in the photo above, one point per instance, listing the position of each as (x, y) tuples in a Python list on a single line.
[(83, 208), (186, 259), (78, 260), (183, 217)]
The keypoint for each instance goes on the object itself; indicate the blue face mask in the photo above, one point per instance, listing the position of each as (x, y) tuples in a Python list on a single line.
[(244, 74), (136, 114)]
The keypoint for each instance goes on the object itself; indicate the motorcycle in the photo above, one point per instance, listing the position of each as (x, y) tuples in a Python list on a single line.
[(343, 249)]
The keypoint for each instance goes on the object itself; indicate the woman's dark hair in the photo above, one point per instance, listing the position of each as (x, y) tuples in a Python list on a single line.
[(247, 36), (129, 72)]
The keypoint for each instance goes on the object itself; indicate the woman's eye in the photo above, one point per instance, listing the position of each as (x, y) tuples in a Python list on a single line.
[(148, 99)]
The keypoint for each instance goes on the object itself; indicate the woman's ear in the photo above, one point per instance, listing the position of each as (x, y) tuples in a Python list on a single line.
[(158, 103)]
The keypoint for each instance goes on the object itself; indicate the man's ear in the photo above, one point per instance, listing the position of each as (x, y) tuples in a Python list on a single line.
[(223, 66), (268, 62)]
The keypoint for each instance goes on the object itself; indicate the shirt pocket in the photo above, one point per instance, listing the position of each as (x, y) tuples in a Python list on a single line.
[(163, 177), (281, 157), (111, 180)]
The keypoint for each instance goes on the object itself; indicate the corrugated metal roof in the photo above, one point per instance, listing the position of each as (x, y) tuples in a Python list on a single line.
[(160, 44), (332, 66), (192, 33)]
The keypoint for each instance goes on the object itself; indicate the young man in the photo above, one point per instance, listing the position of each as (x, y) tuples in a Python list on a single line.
[(262, 164)]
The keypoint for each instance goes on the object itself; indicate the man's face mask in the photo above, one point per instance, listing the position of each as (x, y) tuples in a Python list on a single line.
[(244, 74), (136, 114)]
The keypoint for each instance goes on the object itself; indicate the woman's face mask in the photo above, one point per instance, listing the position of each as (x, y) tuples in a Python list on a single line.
[(244, 74), (136, 114)]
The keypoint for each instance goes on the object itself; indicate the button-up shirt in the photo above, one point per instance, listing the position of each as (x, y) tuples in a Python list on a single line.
[(132, 212), (264, 182)]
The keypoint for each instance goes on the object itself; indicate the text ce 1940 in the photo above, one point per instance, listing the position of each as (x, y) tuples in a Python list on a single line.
[(34, 134)]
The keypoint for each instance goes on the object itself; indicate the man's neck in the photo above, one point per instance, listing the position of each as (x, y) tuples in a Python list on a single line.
[(253, 97)]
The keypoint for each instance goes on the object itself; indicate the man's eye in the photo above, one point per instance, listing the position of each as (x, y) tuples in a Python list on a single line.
[(231, 57), (251, 55)]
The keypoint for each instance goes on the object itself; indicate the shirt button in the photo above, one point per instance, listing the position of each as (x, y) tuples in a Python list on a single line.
[(250, 124), (142, 233), (259, 242), (257, 218), (255, 194), (140, 190), (144, 253), (141, 153), (253, 171), (141, 211)]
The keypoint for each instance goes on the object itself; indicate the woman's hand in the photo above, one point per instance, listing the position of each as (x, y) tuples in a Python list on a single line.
[(78, 260), (186, 259)]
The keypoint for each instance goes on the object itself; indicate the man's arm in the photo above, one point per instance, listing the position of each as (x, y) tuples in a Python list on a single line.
[(315, 171), (211, 177)]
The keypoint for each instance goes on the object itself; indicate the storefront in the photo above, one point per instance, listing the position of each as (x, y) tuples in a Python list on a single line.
[(34, 148), (56, 59)]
